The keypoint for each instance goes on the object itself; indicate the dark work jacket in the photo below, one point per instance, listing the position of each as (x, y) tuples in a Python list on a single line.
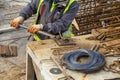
[(54, 22)]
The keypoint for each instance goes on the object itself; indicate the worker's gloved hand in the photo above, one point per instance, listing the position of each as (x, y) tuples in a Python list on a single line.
[(17, 21), (35, 28)]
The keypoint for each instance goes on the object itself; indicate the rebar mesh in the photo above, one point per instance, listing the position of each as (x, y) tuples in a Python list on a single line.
[(93, 14)]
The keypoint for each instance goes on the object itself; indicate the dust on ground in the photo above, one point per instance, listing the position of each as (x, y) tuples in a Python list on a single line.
[(13, 68)]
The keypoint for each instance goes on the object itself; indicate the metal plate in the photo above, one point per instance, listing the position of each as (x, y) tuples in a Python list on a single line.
[(55, 71)]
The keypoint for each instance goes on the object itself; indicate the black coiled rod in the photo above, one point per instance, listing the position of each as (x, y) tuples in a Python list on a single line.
[(95, 63)]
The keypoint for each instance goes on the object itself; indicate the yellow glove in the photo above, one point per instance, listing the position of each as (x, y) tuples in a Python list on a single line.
[(17, 21), (35, 28)]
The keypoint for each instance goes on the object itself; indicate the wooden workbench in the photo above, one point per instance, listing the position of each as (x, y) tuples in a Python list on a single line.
[(38, 60)]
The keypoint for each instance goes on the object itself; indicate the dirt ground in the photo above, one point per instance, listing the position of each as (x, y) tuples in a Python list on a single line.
[(13, 68)]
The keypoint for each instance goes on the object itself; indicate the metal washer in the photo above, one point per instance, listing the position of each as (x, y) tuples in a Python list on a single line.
[(55, 71)]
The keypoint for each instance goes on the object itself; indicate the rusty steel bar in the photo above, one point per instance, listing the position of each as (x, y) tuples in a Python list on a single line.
[(92, 11)]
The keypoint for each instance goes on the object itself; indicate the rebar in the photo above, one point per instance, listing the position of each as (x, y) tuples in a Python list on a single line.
[(91, 13)]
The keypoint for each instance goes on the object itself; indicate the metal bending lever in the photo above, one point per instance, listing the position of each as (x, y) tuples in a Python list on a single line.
[(40, 32)]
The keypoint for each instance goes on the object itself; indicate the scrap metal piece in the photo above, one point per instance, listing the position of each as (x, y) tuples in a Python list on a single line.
[(95, 47), (105, 33), (111, 48), (114, 66)]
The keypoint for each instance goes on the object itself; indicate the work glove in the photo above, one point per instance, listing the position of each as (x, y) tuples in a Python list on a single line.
[(17, 21), (35, 28)]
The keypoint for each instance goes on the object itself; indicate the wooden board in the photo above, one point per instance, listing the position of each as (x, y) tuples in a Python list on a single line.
[(42, 51)]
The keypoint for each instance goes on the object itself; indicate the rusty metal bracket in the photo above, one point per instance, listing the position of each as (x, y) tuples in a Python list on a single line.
[(64, 41)]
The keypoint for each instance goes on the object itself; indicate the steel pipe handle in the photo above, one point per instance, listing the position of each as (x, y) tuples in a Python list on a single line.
[(40, 32)]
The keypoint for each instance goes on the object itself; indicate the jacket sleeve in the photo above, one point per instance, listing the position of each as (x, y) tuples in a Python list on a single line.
[(30, 9), (63, 23)]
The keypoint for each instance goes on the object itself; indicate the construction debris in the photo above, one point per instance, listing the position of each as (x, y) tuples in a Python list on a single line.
[(114, 67), (104, 34)]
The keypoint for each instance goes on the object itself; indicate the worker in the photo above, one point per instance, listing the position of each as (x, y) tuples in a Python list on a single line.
[(53, 16)]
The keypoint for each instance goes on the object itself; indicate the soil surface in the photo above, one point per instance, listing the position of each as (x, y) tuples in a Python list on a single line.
[(13, 68)]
